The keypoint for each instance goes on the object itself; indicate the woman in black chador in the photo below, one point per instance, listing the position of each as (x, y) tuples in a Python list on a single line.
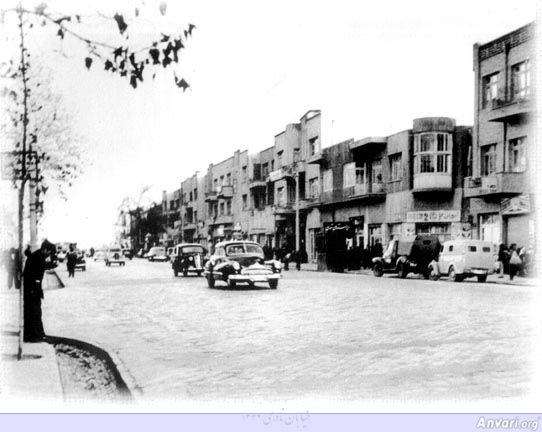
[(33, 294)]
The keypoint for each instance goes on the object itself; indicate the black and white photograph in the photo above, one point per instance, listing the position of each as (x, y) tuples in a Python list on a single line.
[(282, 207)]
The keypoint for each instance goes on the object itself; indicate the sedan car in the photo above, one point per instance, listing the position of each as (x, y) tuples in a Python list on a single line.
[(157, 253), (188, 257), (115, 256), (99, 255), (237, 262)]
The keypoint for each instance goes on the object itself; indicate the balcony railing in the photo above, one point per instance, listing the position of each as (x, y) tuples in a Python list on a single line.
[(211, 196), (225, 192), (505, 109), (498, 184)]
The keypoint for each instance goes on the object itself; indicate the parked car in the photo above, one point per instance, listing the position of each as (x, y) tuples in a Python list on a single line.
[(460, 259), (99, 255), (115, 256), (127, 253), (236, 262), (188, 257), (81, 263), (157, 253), (408, 255)]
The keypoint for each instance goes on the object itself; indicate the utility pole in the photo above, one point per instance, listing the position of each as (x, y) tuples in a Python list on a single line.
[(22, 185), (296, 207)]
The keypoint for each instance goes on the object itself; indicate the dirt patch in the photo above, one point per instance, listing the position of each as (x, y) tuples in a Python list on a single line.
[(86, 376)]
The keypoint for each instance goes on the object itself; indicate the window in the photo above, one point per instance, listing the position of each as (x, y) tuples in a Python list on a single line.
[(450, 248), (297, 155), (195, 194), (490, 89), (516, 155), (281, 195), (443, 231), (394, 231), (486, 249), (273, 165), (376, 175), (328, 180), (244, 174), (472, 249), (432, 153), (313, 146), (395, 167), (488, 157), (221, 180), (313, 188), (279, 158), (349, 174), (191, 197), (228, 179), (265, 170), (521, 80), (228, 208), (222, 209), (360, 175), (245, 201)]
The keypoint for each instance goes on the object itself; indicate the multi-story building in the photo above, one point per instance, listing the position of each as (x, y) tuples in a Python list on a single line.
[(223, 196), (500, 188), (403, 184), (171, 217)]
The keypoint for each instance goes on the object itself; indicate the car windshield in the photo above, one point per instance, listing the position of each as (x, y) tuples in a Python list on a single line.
[(235, 249), (192, 249), (254, 249), (114, 250)]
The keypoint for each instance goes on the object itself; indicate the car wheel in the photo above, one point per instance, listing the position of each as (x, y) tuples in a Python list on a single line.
[(232, 284), (378, 271), (210, 280), (198, 273), (273, 284), (175, 272), (185, 273), (433, 273), (454, 276), (482, 278), (402, 270)]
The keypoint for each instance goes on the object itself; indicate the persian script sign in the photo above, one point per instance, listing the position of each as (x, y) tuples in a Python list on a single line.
[(516, 205), (443, 216)]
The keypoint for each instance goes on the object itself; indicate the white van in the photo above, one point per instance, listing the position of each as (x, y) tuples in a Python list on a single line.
[(157, 253), (114, 256), (460, 259)]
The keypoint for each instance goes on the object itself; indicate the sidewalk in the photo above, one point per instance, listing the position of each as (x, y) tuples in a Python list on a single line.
[(494, 279), (36, 376)]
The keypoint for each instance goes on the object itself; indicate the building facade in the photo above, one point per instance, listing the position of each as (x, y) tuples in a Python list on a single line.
[(501, 188)]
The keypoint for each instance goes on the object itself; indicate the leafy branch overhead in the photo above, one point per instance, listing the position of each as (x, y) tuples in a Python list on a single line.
[(123, 60)]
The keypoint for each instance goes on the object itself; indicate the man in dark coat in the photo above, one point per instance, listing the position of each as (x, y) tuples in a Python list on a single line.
[(34, 270), (71, 261)]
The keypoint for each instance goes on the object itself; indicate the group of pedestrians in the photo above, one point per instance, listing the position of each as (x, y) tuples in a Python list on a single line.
[(512, 260)]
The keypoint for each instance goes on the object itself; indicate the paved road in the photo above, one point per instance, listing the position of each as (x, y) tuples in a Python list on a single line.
[(320, 335)]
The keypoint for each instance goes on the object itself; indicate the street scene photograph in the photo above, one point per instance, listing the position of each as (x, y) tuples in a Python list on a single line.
[(269, 207)]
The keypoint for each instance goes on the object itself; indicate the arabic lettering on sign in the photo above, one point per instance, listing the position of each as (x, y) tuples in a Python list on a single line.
[(444, 216)]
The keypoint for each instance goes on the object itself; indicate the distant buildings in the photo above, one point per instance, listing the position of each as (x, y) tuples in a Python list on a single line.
[(437, 177)]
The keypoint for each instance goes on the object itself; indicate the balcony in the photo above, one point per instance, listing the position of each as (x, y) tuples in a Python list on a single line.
[(257, 182), (221, 220), (365, 191), (499, 185), (317, 158), (506, 110), (211, 196), (225, 192), (189, 226), (432, 182), (289, 171), (283, 209), (310, 202)]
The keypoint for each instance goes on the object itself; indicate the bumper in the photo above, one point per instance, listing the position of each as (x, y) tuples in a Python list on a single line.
[(254, 278)]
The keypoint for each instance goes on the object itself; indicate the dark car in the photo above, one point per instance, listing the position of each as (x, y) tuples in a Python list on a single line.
[(236, 262), (128, 253), (188, 257), (408, 255)]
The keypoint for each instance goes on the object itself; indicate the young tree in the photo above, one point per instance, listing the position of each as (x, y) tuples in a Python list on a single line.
[(122, 59)]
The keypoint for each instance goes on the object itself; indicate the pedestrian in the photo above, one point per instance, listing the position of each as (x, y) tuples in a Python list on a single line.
[(501, 259), (514, 263), (71, 261), (298, 258), (34, 270)]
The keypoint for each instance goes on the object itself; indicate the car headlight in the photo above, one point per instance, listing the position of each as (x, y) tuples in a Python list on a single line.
[(236, 266), (277, 265)]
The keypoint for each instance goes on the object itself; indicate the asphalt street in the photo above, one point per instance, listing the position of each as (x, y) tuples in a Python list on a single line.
[(318, 336)]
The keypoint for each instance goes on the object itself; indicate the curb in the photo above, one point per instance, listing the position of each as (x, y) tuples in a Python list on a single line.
[(124, 381)]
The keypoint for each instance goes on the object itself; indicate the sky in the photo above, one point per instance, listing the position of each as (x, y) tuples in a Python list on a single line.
[(254, 67)]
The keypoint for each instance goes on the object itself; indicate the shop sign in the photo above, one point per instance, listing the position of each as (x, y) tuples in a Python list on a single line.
[(275, 175), (516, 205), (435, 216)]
